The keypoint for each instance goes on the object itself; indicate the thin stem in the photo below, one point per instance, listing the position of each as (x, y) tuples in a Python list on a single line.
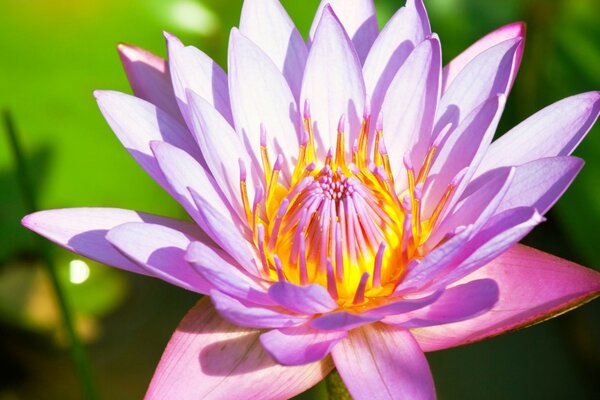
[(336, 388), (76, 350)]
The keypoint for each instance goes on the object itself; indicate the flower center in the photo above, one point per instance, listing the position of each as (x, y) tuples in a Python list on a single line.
[(339, 224)]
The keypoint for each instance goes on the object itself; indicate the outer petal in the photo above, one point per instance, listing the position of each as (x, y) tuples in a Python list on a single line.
[(500, 233), (299, 345), (358, 19), (381, 362), (462, 148), (405, 30), (223, 151), (267, 24), (554, 131), (410, 103), (83, 231), (507, 32), (479, 202), (221, 271), (243, 314), (489, 74), (540, 183), (192, 69), (149, 78), (225, 233), (208, 358), (534, 286), (160, 250), (311, 299), (181, 171), (458, 303), (260, 96), (333, 83), (137, 122)]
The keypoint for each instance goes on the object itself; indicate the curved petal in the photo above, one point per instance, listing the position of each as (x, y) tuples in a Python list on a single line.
[(489, 74), (218, 268), (462, 148), (181, 171), (192, 69), (540, 183), (83, 231), (261, 98), (159, 250), (229, 237), (268, 25), (241, 314), (507, 32), (333, 83), (223, 152), (149, 78), (299, 345), (358, 20), (554, 131), (310, 299), (208, 358), (137, 122), (342, 321), (501, 232), (407, 28), (402, 306), (458, 303), (534, 286), (480, 200), (381, 362), (409, 106)]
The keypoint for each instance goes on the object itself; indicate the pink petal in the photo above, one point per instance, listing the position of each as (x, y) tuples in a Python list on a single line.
[(333, 83), (342, 321), (137, 122), (248, 315), (489, 74), (83, 231), (149, 78), (458, 303), (554, 131), (225, 233), (260, 96), (381, 362), (507, 32), (414, 91), (192, 69), (501, 232), (181, 171), (223, 152), (208, 358), (221, 270), (463, 147), (534, 286), (159, 250), (358, 20), (406, 29), (310, 299), (267, 24), (479, 202), (299, 345), (403, 305), (540, 183)]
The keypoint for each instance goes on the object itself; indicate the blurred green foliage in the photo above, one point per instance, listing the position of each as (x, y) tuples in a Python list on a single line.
[(53, 54)]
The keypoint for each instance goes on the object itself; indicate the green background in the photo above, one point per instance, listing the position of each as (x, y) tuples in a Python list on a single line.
[(53, 54)]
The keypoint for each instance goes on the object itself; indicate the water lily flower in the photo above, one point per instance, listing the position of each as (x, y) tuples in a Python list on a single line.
[(349, 206)]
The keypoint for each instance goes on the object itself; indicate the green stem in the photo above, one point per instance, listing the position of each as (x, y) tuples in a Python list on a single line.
[(336, 388), (76, 350)]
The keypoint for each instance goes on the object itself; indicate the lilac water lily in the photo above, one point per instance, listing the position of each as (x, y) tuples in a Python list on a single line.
[(349, 207)]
